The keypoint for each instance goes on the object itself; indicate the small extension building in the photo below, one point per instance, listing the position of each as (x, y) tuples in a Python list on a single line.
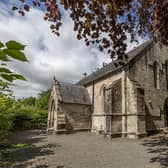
[(69, 108), (128, 101)]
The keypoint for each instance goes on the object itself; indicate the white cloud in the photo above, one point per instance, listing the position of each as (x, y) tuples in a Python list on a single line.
[(63, 57)]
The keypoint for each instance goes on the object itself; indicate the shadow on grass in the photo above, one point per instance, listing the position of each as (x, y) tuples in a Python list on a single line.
[(158, 147), (23, 154), (28, 136)]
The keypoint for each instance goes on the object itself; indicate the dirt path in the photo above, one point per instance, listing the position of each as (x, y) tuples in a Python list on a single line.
[(87, 150)]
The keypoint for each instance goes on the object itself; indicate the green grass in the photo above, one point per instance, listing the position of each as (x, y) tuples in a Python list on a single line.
[(10, 154), (20, 145)]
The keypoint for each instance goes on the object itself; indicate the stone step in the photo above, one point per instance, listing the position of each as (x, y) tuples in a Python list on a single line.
[(61, 131), (61, 115), (60, 119), (61, 122), (165, 130)]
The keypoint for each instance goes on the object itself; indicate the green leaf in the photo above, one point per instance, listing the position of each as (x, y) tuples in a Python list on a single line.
[(4, 84), (3, 64), (1, 45), (3, 56), (16, 54), (5, 70), (15, 45), (8, 90), (17, 76), (7, 77)]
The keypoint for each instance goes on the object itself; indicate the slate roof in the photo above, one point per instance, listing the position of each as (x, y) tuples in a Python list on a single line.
[(111, 68), (75, 94)]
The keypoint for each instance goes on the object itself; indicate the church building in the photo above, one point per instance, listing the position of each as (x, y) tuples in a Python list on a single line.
[(128, 101)]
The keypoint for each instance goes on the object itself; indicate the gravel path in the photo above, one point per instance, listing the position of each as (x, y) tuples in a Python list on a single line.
[(88, 150)]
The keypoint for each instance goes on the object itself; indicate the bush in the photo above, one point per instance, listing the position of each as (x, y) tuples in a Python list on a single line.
[(28, 117), (39, 119), (28, 113), (5, 126), (22, 117), (5, 118)]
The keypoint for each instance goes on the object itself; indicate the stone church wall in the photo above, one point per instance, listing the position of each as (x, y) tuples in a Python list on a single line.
[(78, 117), (142, 103), (142, 72), (131, 108), (98, 116), (135, 109)]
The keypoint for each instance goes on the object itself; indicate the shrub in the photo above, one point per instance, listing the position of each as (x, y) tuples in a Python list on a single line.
[(28, 117), (5, 126), (5, 118), (39, 119), (22, 118)]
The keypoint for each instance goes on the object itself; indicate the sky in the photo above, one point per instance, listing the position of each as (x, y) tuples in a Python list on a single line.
[(64, 57)]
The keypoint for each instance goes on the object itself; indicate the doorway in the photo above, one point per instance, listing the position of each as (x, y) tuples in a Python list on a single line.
[(166, 112)]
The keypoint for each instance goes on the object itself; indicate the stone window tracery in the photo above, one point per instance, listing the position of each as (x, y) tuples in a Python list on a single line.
[(156, 75), (102, 97)]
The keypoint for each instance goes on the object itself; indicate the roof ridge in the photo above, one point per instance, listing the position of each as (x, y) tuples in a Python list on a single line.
[(68, 83), (110, 67)]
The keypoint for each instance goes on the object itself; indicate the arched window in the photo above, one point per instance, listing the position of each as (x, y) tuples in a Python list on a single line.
[(102, 90), (156, 75), (166, 68), (102, 98)]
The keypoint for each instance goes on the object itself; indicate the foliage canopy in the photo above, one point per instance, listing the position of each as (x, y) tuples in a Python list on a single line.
[(106, 23)]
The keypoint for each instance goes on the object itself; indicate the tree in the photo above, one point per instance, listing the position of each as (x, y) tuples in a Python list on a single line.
[(14, 50), (43, 98), (106, 23), (29, 101), (31, 112)]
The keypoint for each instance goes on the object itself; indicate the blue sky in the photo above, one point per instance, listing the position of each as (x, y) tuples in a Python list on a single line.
[(64, 57)]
